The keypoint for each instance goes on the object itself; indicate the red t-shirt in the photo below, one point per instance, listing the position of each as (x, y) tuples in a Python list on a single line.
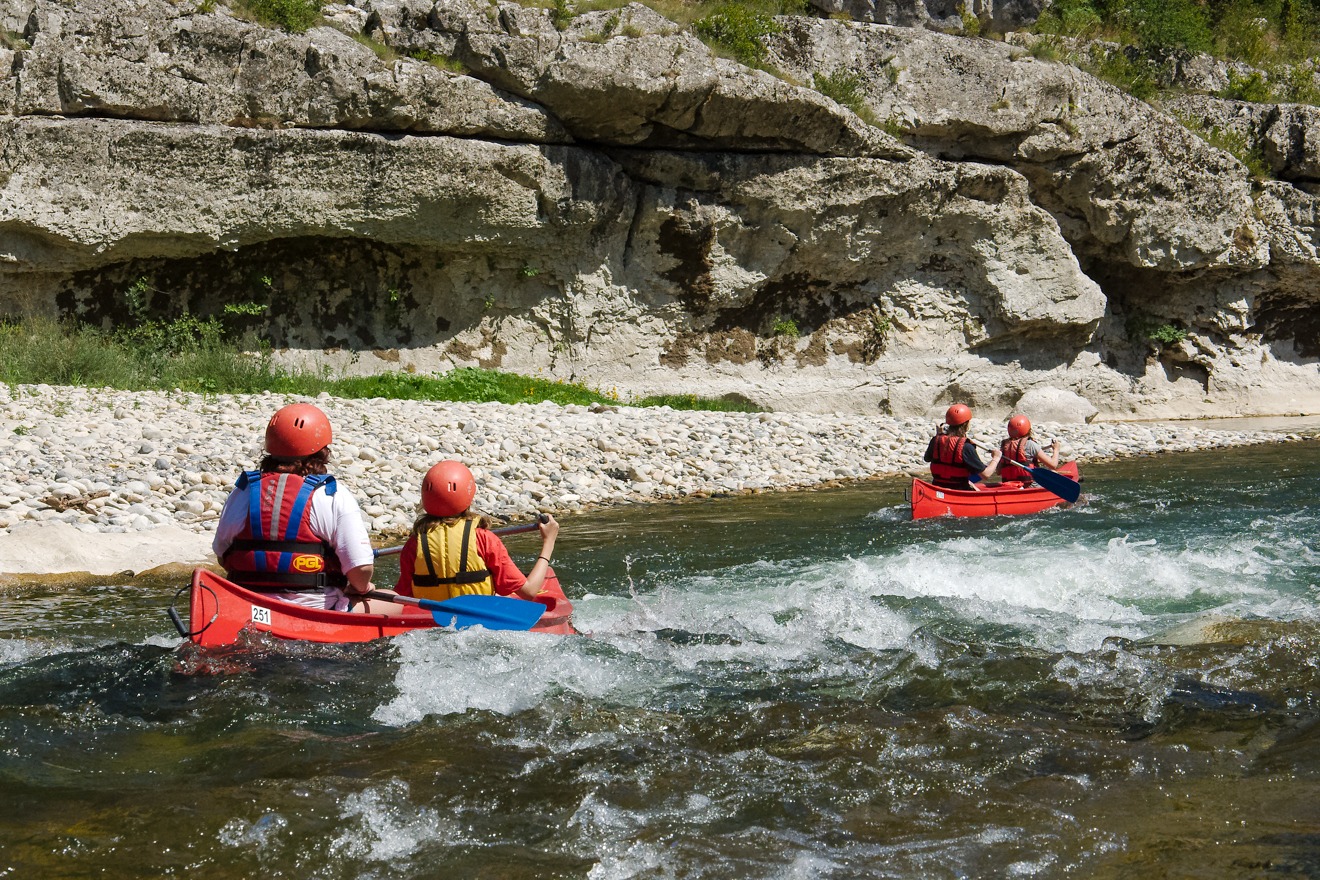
[(504, 574)]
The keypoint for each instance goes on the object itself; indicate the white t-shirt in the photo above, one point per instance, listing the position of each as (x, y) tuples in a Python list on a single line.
[(336, 518)]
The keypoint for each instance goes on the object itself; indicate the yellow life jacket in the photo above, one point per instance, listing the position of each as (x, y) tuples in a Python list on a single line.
[(447, 562)]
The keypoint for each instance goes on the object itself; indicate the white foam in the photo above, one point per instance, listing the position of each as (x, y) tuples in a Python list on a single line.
[(381, 824)]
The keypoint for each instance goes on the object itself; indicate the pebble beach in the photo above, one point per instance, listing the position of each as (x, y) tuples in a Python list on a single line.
[(126, 463)]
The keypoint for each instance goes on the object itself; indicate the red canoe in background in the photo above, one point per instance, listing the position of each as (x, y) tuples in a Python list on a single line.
[(929, 500), (220, 610)]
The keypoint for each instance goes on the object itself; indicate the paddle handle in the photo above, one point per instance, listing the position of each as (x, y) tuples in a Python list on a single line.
[(505, 530), (394, 597)]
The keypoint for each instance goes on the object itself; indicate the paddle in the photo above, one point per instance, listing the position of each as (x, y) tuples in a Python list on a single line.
[(506, 530), (460, 612), (1067, 489)]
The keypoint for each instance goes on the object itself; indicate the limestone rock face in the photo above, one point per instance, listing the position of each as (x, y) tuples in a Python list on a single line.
[(938, 15), (146, 60), (418, 185), (1056, 405), (1286, 136)]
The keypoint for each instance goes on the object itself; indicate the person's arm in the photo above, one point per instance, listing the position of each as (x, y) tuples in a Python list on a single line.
[(407, 559), (536, 577), (346, 532), (359, 580), (232, 517), (506, 577), (973, 461), (1050, 457), (930, 447)]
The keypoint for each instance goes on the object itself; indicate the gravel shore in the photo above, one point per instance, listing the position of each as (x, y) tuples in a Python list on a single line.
[(123, 462)]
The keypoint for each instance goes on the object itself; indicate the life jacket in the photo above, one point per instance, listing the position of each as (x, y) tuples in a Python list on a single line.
[(1013, 450), (946, 462), (447, 563), (277, 551)]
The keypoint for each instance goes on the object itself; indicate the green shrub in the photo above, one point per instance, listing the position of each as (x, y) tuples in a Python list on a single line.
[(1171, 24), (739, 30), (1046, 49), (1167, 334), (1073, 18), (1252, 88), (785, 327), (842, 87), (971, 24), (1298, 85), (292, 15), (1130, 71), (561, 14), (1242, 33)]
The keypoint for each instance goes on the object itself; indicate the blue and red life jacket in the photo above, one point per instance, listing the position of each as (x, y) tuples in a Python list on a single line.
[(1013, 450), (947, 468), (277, 551)]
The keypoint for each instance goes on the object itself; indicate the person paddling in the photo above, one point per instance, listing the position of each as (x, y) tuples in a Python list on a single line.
[(289, 530), (452, 552), (1020, 446), (954, 463)]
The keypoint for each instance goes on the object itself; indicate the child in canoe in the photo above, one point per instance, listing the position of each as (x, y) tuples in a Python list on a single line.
[(1022, 447), (452, 553), (289, 530), (954, 463)]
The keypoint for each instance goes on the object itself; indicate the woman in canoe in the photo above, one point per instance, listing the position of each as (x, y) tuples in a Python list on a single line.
[(288, 529), (954, 463), (451, 552), (1021, 447)]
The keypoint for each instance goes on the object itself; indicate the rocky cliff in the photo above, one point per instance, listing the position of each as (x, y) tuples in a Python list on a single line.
[(422, 184)]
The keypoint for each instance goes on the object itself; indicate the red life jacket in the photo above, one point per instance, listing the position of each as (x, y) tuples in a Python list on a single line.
[(1012, 450), (277, 551), (947, 468)]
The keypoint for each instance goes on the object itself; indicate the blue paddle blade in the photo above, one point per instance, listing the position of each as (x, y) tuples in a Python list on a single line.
[(492, 612), (1067, 489)]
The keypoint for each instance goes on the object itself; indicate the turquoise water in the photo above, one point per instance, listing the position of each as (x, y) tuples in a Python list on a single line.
[(796, 686)]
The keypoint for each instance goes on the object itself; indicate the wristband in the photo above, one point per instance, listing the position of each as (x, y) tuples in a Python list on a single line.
[(546, 558)]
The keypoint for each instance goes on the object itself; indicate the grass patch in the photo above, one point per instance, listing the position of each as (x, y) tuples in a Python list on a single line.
[(1252, 88), (202, 356), (1236, 143), (693, 402), (739, 28), (383, 52), (295, 16)]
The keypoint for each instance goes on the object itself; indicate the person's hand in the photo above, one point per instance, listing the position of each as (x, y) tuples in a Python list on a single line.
[(350, 590), (549, 529)]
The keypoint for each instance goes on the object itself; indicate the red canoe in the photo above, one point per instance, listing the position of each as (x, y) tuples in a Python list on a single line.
[(219, 610), (928, 500)]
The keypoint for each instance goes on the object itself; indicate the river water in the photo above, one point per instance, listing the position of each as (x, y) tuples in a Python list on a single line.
[(784, 686)]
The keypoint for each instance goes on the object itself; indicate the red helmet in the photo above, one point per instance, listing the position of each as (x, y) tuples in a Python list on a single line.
[(448, 489), (297, 430), (958, 414), (1019, 426)]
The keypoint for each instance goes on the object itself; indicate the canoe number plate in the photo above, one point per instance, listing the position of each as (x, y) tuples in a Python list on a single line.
[(260, 615)]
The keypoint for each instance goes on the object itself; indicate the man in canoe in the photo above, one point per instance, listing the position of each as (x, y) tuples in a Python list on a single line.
[(1020, 446), (452, 553), (954, 463), (289, 530)]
